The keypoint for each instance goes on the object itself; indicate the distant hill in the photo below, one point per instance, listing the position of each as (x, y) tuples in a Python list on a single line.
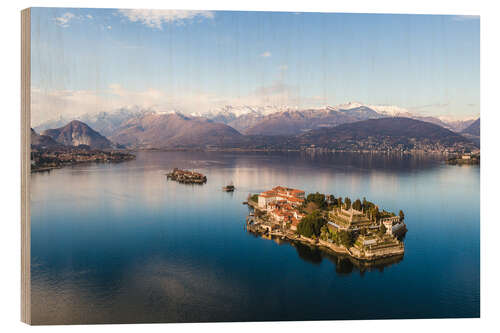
[(103, 122), (78, 133), (374, 134), (174, 130), (43, 141), (474, 128), (294, 122)]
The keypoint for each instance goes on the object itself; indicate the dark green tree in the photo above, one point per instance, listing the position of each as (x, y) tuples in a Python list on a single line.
[(382, 230), (347, 203), (376, 214), (401, 215), (345, 238), (318, 199), (311, 224), (339, 202), (357, 205)]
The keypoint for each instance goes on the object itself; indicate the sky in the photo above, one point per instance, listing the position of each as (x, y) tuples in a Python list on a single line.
[(93, 60)]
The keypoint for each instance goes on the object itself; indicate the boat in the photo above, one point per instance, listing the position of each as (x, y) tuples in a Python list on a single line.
[(228, 188)]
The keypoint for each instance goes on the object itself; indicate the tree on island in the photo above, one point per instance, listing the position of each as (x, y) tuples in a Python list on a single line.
[(324, 232), (318, 199), (345, 238), (357, 205), (382, 230), (254, 198), (365, 204), (311, 224), (347, 203), (375, 214), (401, 215), (331, 201)]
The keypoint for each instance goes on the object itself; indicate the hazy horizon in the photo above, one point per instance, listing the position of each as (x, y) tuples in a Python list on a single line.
[(94, 60)]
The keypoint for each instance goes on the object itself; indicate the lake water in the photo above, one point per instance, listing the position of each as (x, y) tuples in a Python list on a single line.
[(118, 243)]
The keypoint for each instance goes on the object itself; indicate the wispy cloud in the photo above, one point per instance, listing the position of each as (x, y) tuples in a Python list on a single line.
[(155, 19), (283, 68), (265, 54), (465, 17), (64, 19), (430, 106)]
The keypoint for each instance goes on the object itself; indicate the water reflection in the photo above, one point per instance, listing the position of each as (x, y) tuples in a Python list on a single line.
[(344, 265), (120, 243)]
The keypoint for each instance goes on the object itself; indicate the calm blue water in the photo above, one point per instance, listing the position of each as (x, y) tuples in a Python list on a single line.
[(121, 244)]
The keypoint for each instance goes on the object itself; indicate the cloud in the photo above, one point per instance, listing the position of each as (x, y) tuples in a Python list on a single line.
[(64, 19), (109, 27), (465, 17), (430, 106), (283, 68), (265, 54), (156, 18), (276, 88)]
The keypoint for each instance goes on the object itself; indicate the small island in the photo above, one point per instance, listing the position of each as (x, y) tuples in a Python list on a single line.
[(358, 229), (464, 159), (186, 177)]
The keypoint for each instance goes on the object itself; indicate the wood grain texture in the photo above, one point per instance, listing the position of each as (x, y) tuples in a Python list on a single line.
[(25, 165)]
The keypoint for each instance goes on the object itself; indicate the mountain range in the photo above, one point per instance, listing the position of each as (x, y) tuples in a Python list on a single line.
[(263, 120), (287, 120), (261, 127)]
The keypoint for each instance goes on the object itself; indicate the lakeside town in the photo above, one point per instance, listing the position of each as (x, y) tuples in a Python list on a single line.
[(358, 229), (46, 160)]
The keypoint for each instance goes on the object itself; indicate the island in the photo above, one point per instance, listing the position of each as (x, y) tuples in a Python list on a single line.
[(186, 177), (464, 159), (358, 229), (48, 159)]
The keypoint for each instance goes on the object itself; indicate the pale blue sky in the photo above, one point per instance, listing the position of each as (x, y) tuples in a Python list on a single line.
[(90, 60)]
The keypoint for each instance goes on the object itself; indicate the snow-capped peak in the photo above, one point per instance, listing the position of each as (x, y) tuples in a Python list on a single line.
[(450, 119), (241, 110), (390, 110), (349, 106)]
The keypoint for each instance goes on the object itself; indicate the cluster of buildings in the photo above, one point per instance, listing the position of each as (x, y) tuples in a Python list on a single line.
[(355, 220), (281, 205), (42, 160)]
